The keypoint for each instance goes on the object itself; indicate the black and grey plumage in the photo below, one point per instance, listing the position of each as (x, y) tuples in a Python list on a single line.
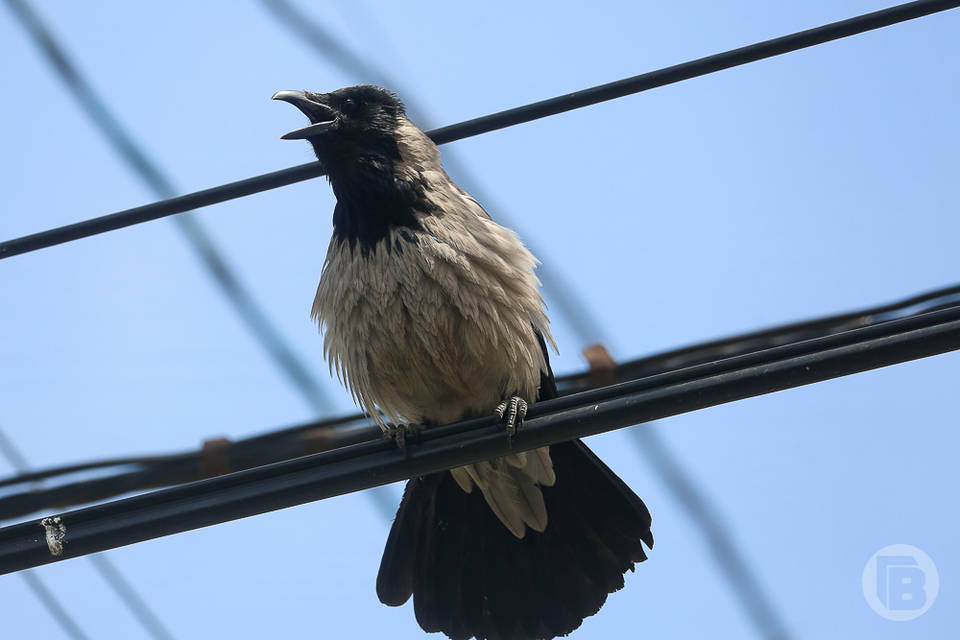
[(432, 313)]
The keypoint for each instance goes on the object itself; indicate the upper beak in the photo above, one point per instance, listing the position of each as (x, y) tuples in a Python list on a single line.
[(321, 116)]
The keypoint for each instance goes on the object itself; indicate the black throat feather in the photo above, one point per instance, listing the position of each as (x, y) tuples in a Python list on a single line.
[(373, 198)]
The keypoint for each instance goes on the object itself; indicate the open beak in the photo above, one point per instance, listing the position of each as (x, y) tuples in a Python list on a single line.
[(322, 117)]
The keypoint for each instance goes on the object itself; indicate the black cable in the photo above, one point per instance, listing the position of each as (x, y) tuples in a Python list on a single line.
[(40, 590), (297, 373), (731, 562), (34, 476), (500, 120), (774, 336), (371, 464), (693, 69), (313, 437), (120, 585), (192, 466)]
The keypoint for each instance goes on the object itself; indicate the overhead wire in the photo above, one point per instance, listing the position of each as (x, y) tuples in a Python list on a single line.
[(149, 171), (242, 301), (492, 122), (369, 464), (53, 606), (34, 583), (877, 19), (122, 587), (124, 475)]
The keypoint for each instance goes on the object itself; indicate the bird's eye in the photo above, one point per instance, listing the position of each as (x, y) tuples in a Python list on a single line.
[(349, 106)]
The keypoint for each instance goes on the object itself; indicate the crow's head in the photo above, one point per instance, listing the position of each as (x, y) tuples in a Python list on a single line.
[(348, 123)]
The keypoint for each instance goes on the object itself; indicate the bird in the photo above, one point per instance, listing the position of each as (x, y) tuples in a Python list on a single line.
[(431, 313)]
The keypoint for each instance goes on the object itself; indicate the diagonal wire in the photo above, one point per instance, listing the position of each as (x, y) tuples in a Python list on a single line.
[(120, 585), (53, 606), (733, 566), (731, 561), (149, 171), (296, 371), (134, 602)]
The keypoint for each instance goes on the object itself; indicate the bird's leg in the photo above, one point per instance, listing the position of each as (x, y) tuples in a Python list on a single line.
[(511, 413), (399, 433)]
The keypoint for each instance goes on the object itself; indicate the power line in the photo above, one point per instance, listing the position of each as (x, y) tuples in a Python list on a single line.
[(485, 124), (1, 248), (40, 590), (120, 585), (137, 158), (148, 472), (371, 464), (133, 601), (297, 373), (743, 582)]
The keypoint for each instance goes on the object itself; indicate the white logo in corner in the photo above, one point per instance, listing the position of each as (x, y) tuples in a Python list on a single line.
[(900, 582)]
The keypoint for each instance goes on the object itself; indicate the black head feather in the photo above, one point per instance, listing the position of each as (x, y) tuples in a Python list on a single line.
[(355, 135)]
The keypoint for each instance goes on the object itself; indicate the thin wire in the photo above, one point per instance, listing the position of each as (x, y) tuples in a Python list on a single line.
[(297, 373), (500, 120), (704, 513), (120, 585), (313, 437), (733, 566), (136, 604), (53, 606), (365, 465)]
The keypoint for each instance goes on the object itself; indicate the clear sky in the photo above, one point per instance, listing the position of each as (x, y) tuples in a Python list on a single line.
[(811, 183)]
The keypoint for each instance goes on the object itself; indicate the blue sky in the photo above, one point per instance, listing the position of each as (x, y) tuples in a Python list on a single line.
[(811, 183)]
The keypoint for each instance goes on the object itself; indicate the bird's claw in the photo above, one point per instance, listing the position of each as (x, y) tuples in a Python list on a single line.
[(511, 413), (398, 433)]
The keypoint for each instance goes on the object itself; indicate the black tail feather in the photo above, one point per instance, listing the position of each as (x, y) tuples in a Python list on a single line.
[(469, 576)]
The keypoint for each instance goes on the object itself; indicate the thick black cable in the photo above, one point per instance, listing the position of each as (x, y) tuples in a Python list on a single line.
[(120, 585), (771, 337), (312, 437), (371, 464), (693, 69), (40, 590), (698, 506), (500, 120), (148, 170)]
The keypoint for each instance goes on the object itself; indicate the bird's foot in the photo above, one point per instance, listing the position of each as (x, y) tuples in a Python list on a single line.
[(511, 413), (399, 433)]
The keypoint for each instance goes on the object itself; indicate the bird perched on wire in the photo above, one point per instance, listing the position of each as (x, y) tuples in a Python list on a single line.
[(432, 313)]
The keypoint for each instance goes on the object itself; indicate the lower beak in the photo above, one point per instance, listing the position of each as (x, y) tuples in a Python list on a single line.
[(321, 116)]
